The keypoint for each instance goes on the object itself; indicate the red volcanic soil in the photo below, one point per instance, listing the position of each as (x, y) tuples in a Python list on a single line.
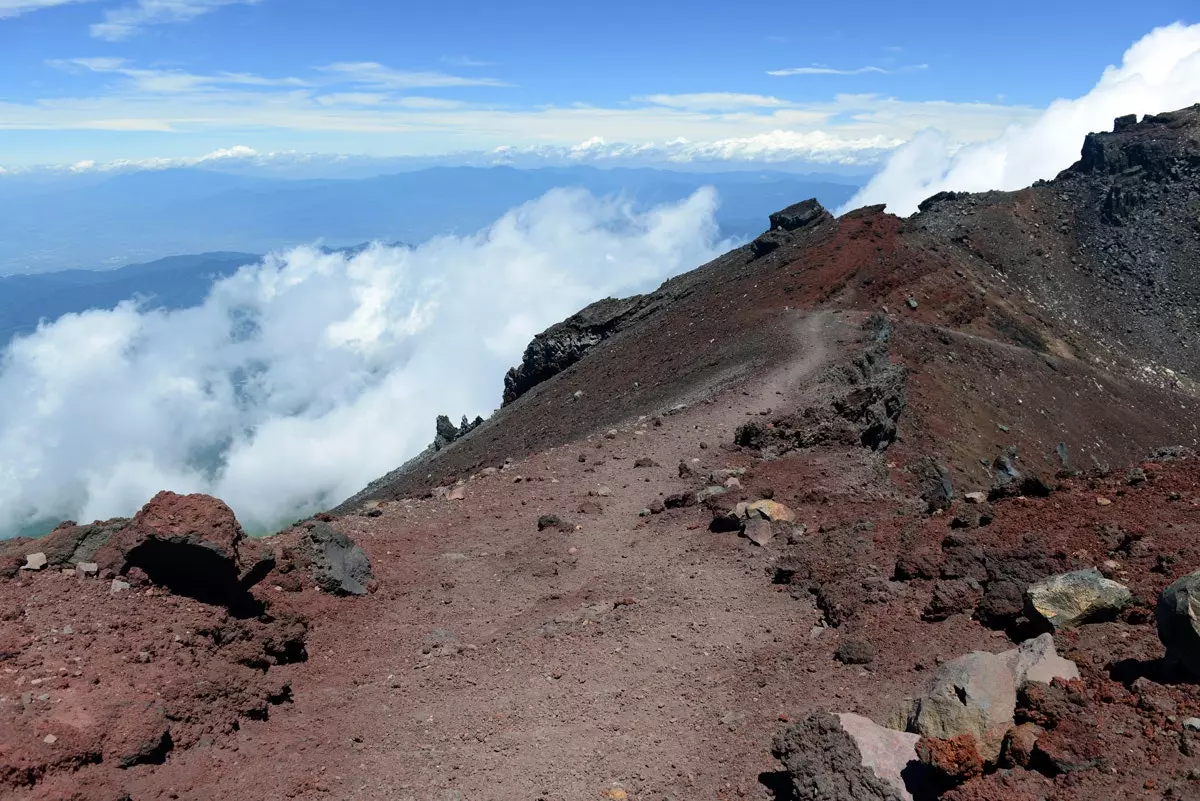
[(552, 614)]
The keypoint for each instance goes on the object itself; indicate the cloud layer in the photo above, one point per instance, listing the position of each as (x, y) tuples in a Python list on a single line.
[(301, 379), (1160, 72)]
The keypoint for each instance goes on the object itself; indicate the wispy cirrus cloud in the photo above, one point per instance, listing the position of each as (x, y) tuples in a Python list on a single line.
[(15, 8), (370, 73), (713, 101), (124, 22), (466, 61), (398, 113), (821, 69)]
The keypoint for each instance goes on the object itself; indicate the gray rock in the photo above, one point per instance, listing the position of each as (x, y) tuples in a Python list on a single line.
[(1178, 618), (823, 763), (885, 751), (855, 652), (87, 569), (1072, 599), (1037, 660), (34, 561), (975, 694), (118, 586), (338, 565), (758, 531)]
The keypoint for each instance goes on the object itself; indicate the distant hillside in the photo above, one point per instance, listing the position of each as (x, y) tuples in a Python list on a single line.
[(172, 283), (147, 215)]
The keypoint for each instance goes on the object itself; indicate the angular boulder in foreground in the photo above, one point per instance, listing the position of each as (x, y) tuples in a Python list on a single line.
[(1178, 617)]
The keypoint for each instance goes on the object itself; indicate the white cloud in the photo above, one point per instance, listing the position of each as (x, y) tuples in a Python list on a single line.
[(713, 101), (369, 73), (126, 21), (14, 8), (373, 99), (820, 69), (301, 379), (1160, 72), (466, 61)]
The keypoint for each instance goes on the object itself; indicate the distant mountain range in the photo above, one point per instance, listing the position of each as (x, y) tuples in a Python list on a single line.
[(141, 216), (176, 282)]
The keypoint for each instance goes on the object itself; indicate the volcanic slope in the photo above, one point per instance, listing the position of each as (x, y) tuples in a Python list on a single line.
[(564, 602)]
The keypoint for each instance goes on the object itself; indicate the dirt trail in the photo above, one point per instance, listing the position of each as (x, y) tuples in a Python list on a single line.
[(642, 653)]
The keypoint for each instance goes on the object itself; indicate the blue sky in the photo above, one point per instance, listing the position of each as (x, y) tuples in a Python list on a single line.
[(823, 83)]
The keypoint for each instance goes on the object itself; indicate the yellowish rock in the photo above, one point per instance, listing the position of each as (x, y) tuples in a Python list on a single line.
[(772, 510)]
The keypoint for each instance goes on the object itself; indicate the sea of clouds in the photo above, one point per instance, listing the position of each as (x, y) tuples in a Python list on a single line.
[(302, 378), (1160, 72)]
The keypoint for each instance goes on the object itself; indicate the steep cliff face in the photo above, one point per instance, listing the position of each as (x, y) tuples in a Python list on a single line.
[(1109, 248)]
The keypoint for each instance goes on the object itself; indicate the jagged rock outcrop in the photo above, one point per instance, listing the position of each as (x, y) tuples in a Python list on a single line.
[(447, 432), (563, 344), (787, 225)]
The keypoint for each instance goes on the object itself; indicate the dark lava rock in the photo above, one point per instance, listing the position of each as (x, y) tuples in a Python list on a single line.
[(855, 652), (338, 565), (805, 214), (1178, 617), (919, 564), (955, 597), (447, 432), (936, 488), (1002, 603), (823, 763), (554, 521), (563, 344), (70, 544)]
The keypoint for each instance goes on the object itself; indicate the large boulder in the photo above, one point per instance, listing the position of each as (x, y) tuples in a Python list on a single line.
[(337, 564), (975, 694), (1178, 618), (823, 763), (1072, 599), (190, 544)]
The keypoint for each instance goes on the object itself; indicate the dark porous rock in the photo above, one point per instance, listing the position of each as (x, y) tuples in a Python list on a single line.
[(563, 344), (1002, 603), (855, 652), (555, 522), (918, 564), (936, 488), (972, 515), (952, 597), (805, 214), (1178, 618), (337, 564), (69, 544), (767, 243), (823, 763), (941, 197), (679, 500), (963, 558), (1070, 747)]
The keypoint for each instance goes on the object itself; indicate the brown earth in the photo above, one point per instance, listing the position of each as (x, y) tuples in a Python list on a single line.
[(874, 371)]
